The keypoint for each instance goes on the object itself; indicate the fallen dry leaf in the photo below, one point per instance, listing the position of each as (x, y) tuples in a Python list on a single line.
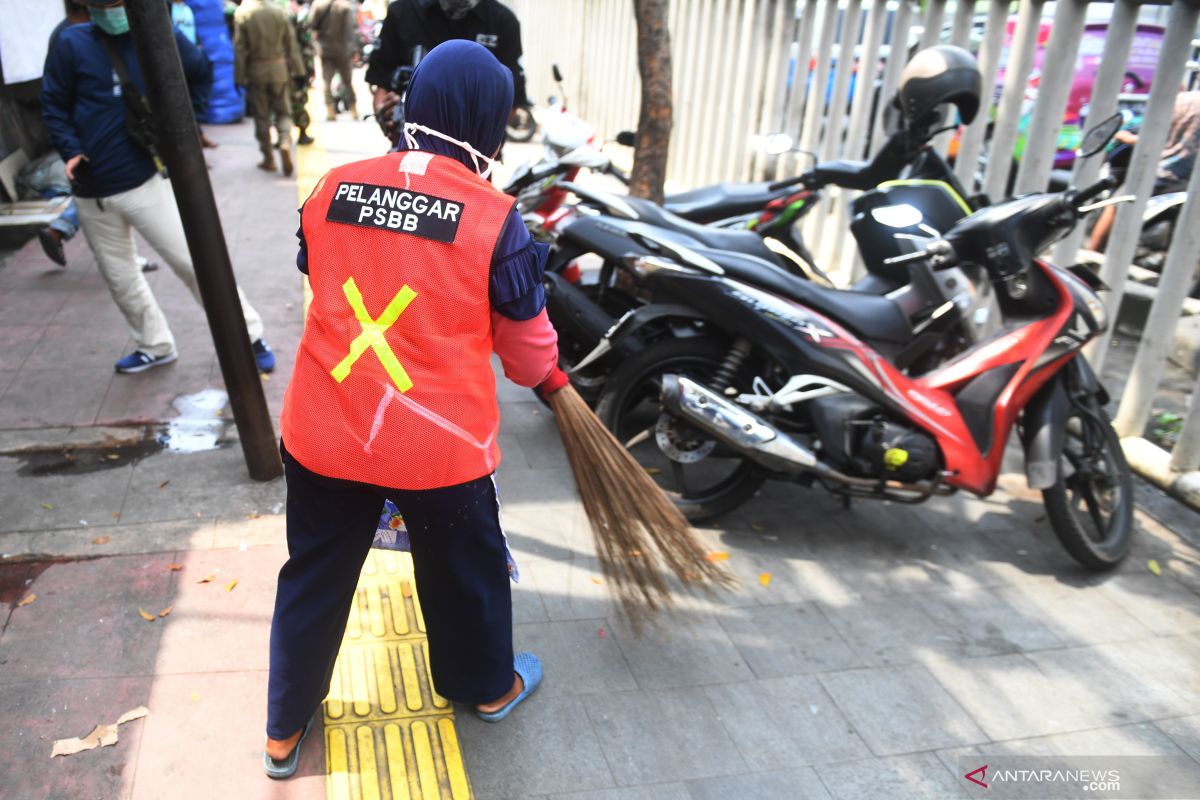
[(165, 611), (765, 579), (265, 376), (230, 586), (596, 581), (29, 598), (174, 567), (112, 456), (405, 590), (146, 615), (754, 526), (652, 470), (116, 515), (717, 555), (48, 506), (102, 539), (207, 579), (195, 698), (252, 515), (101, 735), (1153, 566), (163, 485)]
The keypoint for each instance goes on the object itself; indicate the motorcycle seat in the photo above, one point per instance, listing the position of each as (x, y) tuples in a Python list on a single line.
[(870, 316), (716, 238), (721, 200)]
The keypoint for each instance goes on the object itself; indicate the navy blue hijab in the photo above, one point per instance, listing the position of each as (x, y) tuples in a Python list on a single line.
[(461, 90)]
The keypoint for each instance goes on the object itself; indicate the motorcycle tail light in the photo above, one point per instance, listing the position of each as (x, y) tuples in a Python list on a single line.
[(573, 273)]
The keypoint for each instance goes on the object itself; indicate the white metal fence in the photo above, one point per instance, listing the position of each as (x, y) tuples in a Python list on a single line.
[(745, 67)]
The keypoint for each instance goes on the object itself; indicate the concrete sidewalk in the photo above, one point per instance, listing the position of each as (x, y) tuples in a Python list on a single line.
[(887, 642)]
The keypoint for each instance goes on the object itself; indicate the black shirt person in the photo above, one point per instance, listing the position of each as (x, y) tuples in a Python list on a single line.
[(428, 23)]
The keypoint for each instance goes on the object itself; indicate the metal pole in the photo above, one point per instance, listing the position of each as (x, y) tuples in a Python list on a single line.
[(1158, 335), (1186, 456), (1058, 72), (1122, 241), (179, 143), (897, 56), (969, 147), (933, 23), (960, 36), (1016, 78), (1118, 42), (799, 96), (830, 246)]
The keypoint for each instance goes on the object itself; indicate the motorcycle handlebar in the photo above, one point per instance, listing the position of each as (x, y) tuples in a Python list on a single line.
[(1083, 195), (806, 178)]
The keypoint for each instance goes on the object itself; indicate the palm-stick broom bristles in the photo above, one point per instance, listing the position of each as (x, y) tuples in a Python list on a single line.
[(634, 523)]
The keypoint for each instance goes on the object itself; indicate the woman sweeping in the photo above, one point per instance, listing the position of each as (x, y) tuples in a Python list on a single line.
[(420, 269)]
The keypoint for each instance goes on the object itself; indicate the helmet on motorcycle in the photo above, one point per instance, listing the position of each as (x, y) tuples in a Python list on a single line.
[(936, 76)]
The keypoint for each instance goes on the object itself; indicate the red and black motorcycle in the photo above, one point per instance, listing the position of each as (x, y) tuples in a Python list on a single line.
[(872, 397)]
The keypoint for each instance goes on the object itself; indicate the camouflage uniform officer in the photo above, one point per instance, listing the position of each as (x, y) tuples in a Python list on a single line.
[(298, 15), (266, 59)]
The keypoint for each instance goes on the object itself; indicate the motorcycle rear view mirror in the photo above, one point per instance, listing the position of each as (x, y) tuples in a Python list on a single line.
[(627, 138), (775, 144), (1098, 137), (557, 73)]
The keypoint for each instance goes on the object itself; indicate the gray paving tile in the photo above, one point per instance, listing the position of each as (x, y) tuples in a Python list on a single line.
[(782, 785), (153, 537), (786, 722), (1185, 732), (1078, 615), (668, 735), (658, 791), (1146, 680), (901, 709), (47, 502), (1160, 603), (1011, 698), (578, 660), (546, 746), (917, 777), (892, 631), (982, 622), (16, 544), (570, 590), (687, 649), (787, 640)]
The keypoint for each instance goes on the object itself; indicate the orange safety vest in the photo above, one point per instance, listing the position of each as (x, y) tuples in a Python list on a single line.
[(393, 384)]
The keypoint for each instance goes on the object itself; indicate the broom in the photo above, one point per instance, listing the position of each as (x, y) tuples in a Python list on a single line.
[(635, 525)]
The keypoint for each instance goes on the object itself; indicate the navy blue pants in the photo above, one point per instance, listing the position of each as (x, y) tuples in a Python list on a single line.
[(461, 575)]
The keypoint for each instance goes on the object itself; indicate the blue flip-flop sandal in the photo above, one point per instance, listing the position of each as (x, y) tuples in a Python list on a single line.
[(286, 767), (529, 667)]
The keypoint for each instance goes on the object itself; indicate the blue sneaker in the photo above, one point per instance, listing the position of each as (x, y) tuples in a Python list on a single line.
[(263, 356), (137, 361)]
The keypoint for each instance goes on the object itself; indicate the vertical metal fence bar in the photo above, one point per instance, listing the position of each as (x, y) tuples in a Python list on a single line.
[(718, 152), (757, 91), (782, 26), (960, 36), (833, 143), (813, 90), (1150, 362), (1008, 116), (686, 55), (935, 12), (1118, 42), (1058, 72), (1186, 456), (970, 145), (711, 100), (897, 55), (798, 93), (1122, 242), (702, 97), (860, 110), (733, 148)]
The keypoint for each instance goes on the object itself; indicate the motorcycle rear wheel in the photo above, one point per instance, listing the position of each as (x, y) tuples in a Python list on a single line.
[(1091, 505), (522, 126), (630, 405)]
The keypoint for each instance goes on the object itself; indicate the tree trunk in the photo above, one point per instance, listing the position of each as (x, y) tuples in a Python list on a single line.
[(654, 121)]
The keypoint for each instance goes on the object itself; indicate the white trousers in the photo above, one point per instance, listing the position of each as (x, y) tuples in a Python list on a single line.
[(109, 222)]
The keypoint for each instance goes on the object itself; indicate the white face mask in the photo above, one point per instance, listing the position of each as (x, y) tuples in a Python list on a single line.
[(475, 155)]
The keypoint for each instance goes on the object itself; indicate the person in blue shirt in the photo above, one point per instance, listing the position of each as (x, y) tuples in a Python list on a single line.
[(183, 19), (118, 185)]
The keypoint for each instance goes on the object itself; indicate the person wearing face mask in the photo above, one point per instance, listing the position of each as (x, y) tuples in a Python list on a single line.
[(90, 91), (420, 269), (427, 23)]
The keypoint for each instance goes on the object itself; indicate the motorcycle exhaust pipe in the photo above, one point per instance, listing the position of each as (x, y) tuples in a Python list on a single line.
[(741, 429)]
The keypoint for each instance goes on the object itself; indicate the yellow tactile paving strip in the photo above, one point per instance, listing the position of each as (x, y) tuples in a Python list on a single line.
[(388, 735)]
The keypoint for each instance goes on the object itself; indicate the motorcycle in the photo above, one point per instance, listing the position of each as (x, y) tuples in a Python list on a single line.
[(800, 383)]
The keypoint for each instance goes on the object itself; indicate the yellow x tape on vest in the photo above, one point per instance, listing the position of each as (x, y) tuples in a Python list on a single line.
[(372, 335)]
